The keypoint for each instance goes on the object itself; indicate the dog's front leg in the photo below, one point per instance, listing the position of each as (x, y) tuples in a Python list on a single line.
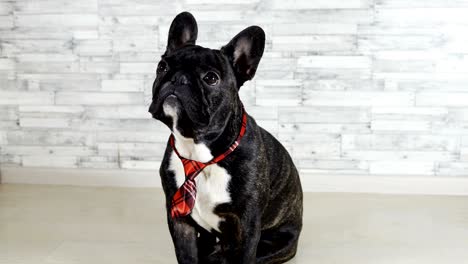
[(240, 237), (184, 237)]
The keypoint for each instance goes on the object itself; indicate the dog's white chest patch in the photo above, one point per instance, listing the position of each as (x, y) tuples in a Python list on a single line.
[(212, 190), (212, 183)]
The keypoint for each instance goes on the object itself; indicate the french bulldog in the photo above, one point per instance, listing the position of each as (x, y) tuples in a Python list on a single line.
[(233, 194)]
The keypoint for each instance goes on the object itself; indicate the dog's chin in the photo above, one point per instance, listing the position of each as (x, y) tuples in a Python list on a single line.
[(171, 106), (166, 107), (173, 112)]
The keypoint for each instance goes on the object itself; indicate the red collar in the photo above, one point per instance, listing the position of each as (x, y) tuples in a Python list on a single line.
[(223, 155)]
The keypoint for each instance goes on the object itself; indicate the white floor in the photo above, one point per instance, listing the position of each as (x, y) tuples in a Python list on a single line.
[(63, 225)]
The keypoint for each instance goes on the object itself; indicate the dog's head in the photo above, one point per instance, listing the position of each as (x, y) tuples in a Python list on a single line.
[(196, 88)]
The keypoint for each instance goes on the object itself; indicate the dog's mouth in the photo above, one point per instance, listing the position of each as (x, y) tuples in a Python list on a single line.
[(171, 100), (168, 101), (170, 110), (171, 106)]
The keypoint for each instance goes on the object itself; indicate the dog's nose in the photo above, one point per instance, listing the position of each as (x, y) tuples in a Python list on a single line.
[(180, 79)]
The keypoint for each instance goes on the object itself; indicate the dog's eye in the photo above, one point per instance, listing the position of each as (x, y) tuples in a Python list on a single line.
[(162, 67), (211, 78)]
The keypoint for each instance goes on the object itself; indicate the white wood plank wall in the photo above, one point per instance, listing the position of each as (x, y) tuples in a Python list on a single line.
[(356, 87)]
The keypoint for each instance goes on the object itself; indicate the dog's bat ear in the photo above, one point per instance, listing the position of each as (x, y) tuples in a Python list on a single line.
[(183, 31), (245, 51)]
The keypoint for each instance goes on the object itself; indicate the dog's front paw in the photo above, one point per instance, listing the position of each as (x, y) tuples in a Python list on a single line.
[(215, 257)]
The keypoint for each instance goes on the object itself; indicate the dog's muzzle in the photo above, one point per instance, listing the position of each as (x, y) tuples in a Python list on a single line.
[(171, 101)]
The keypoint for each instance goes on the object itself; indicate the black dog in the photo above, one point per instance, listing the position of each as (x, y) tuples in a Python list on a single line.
[(245, 206)]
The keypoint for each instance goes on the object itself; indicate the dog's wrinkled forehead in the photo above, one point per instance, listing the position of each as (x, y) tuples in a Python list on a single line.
[(194, 57)]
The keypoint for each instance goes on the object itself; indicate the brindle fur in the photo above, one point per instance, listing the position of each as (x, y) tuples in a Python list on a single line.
[(263, 221)]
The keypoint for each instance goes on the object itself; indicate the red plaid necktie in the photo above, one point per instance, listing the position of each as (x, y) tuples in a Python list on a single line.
[(184, 199)]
